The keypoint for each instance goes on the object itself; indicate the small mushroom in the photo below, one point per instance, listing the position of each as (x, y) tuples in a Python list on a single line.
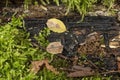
[(56, 25), (55, 48)]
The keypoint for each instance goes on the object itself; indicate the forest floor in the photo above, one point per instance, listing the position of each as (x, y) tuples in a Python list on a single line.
[(92, 57)]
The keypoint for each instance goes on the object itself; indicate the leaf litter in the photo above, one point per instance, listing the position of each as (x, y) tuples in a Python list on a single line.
[(36, 66), (96, 60)]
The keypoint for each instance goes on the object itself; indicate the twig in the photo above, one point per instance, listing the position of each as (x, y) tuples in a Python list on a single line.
[(108, 72), (65, 69), (62, 56), (92, 64)]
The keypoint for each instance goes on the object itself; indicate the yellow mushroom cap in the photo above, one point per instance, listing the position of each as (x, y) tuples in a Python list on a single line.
[(56, 25)]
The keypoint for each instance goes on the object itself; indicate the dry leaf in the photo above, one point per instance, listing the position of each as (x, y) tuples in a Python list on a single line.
[(115, 42), (112, 44), (37, 65), (56, 25), (43, 7), (116, 38), (55, 47), (91, 44), (80, 74), (51, 68), (93, 37), (118, 63)]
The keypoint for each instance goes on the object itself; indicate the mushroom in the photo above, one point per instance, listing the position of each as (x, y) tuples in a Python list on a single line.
[(55, 48)]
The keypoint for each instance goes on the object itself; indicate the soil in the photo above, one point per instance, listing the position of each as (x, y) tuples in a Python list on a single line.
[(98, 58)]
